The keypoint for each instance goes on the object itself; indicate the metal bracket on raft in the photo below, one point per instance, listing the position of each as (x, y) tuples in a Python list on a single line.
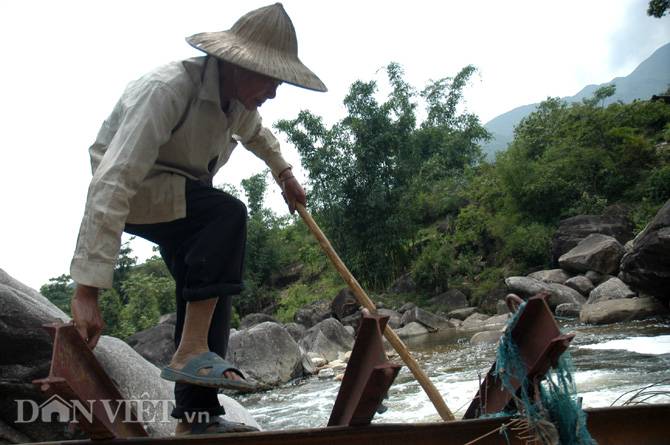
[(78, 379), (540, 344), (368, 377)]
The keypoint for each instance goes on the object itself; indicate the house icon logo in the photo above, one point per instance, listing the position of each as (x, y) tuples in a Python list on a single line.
[(55, 409)]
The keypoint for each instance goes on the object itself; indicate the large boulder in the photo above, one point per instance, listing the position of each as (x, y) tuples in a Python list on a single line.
[(413, 329), (265, 353), (328, 338), (485, 323), (597, 252), (345, 304), (527, 287), (431, 321), (611, 289), (622, 309), (313, 313), (572, 230), (395, 318), (155, 344), (646, 268), (403, 285), (25, 355), (559, 276), (581, 284)]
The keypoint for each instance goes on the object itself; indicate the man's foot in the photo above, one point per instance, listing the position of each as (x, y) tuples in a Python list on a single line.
[(214, 376), (179, 360)]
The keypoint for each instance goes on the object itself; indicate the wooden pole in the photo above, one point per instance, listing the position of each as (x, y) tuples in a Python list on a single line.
[(365, 301)]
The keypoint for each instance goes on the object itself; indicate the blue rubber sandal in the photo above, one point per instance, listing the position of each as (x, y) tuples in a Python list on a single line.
[(223, 427), (189, 374)]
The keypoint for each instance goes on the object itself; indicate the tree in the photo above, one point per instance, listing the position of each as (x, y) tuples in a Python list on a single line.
[(59, 291), (658, 8), (366, 170)]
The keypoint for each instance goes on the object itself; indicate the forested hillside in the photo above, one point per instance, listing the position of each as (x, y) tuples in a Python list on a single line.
[(400, 188)]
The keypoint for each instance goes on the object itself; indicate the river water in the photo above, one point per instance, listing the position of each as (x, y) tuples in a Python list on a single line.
[(608, 362)]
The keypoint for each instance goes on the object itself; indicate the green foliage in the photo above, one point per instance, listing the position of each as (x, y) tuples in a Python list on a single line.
[(658, 8), (59, 291), (111, 309), (147, 295), (367, 171)]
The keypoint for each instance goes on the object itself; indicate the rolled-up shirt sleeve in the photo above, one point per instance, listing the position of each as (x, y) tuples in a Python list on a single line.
[(125, 150)]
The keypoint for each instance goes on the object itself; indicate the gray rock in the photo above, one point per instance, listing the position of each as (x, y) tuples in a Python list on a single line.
[(353, 320), (484, 322), (327, 373), (560, 294), (406, 307), (622, 309), (525, 287), (168, 318), (581, 284), (313, 314), (551, 276), (502, 308), (328, 338), (431, 321), (395, 318), (412, 329), (252, 320), (296, 330), (490, 301), (345, 304), (572, 230), (265, 353), (485, 337), (611, 289), (528, 287), (597, 252), (452, 299), (462, 314), (646, 268), (155, 344), (595, 277), (351, 331), (403, 285), (308, 366), (568, 310)]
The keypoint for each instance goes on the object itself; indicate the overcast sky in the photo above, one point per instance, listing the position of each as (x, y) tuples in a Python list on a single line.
[(65, 64)]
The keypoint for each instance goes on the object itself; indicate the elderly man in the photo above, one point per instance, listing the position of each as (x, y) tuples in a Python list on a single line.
[(153, 164)]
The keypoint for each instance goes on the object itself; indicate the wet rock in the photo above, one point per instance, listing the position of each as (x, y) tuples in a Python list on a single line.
[(597, 252), (431, 321), (527, 287), (308, 365), (266, 353), (551, 276), (483, 322), (395, 318), (646, 268), (611, 289), (327, 373), (622, 309), (485, 337)]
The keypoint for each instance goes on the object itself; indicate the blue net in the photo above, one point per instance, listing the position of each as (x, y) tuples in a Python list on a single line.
[(550, 406)]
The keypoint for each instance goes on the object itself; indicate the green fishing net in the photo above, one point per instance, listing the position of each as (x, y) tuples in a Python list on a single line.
[(551, 406)]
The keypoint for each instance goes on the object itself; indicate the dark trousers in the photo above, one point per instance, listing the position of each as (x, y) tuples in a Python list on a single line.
[(205, 254)]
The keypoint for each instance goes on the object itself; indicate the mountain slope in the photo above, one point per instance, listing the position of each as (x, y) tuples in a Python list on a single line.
[(651, 77)]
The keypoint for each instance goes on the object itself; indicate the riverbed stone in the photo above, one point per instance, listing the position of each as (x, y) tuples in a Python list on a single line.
[(646, 268), (328, 338), (345, 304), (527, 287), (485, 337), (314, 313), (412, 329), (568, 310), (484, 322), (462, 314), (597, 252), (265, 353), (431, 321), (622, 309), (295, 330), (395, 318), (581, 284), (252, 320), (559, 276), (611, 289)]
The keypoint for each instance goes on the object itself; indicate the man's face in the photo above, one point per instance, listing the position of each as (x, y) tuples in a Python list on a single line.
[(254, 89)]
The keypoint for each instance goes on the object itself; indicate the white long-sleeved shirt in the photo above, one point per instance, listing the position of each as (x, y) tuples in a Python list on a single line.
[(166, 127)]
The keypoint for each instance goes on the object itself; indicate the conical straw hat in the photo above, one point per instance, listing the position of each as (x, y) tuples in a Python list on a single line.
[(262, 41)]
